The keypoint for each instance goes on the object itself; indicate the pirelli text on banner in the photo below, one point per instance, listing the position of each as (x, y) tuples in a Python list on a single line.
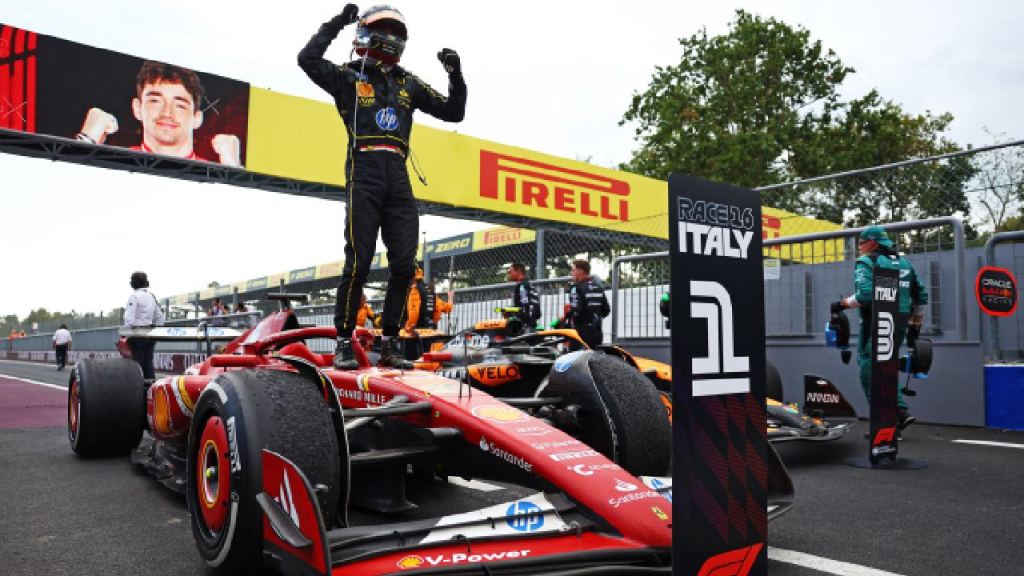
[(526, 182)]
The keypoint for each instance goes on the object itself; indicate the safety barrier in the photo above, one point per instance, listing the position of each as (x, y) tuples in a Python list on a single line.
[(802, 275)]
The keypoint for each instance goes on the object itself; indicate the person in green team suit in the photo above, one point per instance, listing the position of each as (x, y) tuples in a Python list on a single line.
[(877, 249)]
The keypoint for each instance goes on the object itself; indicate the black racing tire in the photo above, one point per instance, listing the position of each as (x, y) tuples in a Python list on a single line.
[(625, 421), (238, 415), (772, 382), (106, 406)]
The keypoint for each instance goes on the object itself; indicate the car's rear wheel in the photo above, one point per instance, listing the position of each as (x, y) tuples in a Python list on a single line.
[(238, 415), (621, 413), (106, 406)]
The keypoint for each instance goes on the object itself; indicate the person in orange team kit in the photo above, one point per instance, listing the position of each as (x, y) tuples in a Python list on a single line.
[(423, 307), (366, 313)]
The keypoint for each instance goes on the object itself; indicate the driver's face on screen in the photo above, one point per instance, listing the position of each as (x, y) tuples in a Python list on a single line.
[(167, 113)]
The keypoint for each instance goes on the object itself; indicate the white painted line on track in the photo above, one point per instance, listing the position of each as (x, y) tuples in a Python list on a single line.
[(824, 564), (990, 443), (36, 382), (474, 484)]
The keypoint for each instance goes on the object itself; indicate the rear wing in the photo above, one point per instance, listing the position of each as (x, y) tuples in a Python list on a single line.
[(182, 333)]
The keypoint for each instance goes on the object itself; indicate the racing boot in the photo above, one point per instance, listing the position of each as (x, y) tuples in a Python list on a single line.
[(905, 419), (391, 355), (344, 357)]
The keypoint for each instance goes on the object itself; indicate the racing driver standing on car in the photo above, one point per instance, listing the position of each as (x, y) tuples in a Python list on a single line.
[(376, 98)]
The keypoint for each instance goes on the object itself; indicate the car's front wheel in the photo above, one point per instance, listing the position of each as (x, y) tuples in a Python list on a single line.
[(238, 415), (621, 414)]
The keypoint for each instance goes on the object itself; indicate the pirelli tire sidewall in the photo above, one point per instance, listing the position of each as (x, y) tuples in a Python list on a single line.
[(280, 411), (623, 415)]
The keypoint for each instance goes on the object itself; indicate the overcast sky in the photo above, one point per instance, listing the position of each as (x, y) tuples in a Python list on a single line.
[(550, 76)]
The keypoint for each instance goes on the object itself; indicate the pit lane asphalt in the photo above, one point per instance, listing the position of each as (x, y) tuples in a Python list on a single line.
[(964, 514)]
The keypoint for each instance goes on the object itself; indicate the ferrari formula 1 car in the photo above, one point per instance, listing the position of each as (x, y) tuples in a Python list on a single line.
[(280, 457), (487, 357)]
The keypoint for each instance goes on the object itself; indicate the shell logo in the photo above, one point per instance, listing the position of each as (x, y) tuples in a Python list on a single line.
[(500, 413), (411, 562)]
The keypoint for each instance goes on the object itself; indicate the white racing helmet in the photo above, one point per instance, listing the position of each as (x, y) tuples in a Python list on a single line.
[(381, 34)]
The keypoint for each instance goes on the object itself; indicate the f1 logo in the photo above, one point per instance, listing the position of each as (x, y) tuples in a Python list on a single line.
[(721, 358), (885, 435), (736, 562), (886, 336)]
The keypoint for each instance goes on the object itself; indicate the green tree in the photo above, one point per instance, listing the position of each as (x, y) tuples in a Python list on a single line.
[(39, 315), (999, 185), (760, 105), (10, 322), (872, 132), (735, 103)]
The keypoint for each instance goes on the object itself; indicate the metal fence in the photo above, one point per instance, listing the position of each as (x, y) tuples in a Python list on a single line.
[(984, 187), (472, 305), (803, 274)]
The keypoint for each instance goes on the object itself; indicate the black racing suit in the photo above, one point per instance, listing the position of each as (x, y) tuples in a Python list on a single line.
[(587, 306), (527, 299), (379, 194)]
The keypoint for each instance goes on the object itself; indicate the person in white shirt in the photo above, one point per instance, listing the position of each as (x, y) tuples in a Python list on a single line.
[(61, 344), (143, 311)]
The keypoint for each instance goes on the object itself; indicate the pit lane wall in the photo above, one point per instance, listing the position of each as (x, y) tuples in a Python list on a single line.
[(71, 90), (168, 362)]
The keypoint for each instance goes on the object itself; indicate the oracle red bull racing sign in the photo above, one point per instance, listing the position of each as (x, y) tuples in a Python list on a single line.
[(996, 290)]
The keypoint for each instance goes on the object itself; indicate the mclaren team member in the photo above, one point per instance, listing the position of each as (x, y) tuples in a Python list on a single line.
[(587, 305), (376, 98), (366, 313), (877, 250), (423, 306), (525, 297), (142, 311)]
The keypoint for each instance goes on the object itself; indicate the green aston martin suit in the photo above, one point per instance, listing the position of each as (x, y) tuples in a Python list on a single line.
[(912, 294)]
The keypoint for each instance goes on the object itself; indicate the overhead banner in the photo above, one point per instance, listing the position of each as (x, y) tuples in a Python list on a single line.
[(720, 449), (489, 239), (60, 88), (497, 237)]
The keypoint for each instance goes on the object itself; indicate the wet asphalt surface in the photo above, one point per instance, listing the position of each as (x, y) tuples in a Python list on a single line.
[(963, 514)]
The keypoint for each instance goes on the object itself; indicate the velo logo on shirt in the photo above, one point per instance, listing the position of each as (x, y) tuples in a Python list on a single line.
[(387, 119)]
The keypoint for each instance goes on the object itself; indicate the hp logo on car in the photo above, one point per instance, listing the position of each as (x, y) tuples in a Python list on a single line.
[(524, 516)]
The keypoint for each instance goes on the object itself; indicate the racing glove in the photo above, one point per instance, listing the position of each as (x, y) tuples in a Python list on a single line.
[(913, 332), (450, 60), (349, 14)]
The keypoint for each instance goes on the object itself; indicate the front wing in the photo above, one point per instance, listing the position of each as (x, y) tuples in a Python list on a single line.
[(538, 535)]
